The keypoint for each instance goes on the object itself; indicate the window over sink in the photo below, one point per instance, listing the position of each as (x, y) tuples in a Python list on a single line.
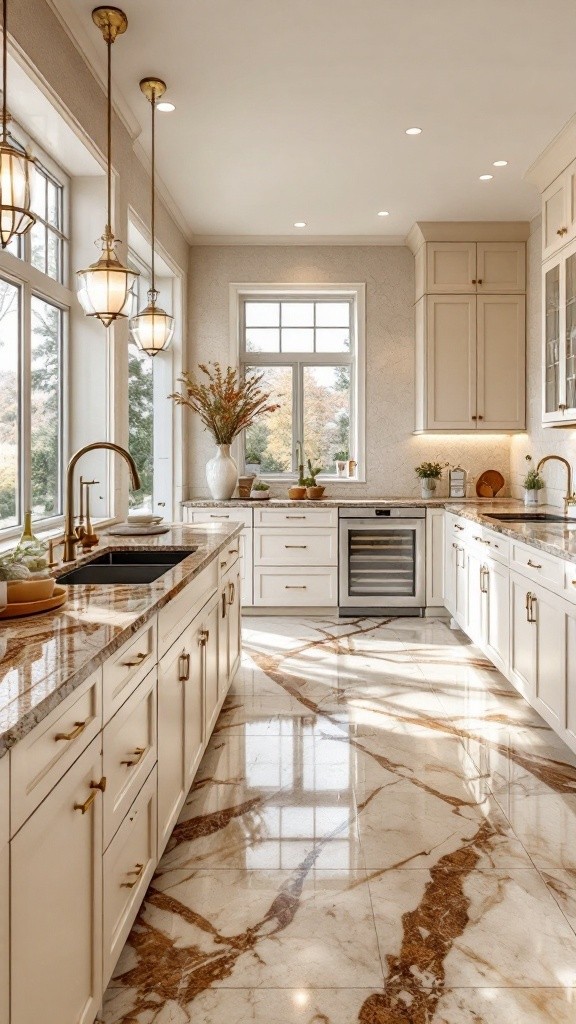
[(309, 347)]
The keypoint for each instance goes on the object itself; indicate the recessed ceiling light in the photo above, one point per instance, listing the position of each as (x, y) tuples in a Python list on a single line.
[(299, 223), (383, 213), (165, 107), (500, 163), (413, 131), (486, 177)]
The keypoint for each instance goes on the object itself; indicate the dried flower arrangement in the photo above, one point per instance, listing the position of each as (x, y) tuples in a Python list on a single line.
[(227, 403)]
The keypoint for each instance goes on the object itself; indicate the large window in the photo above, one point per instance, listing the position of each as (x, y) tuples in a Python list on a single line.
[(307, 347), (34, 302)]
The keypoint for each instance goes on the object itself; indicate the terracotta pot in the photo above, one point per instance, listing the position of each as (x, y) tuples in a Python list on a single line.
[(315, 493), (296, 493)]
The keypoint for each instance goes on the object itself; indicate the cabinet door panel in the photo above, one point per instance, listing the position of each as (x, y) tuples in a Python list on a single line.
[(496, 627), (4, 934), (501, 267), (451, 362), (194, 710), (522, 639), (210, 650), (461, 615), (473, 622), (553, 291), (450, 555), (451, 267), (56, 893), (571, 676), (234, 626), (550, 618), (172, 776), (554, 216), (501, 362)]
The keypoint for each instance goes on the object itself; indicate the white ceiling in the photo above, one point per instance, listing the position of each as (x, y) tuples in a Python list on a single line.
[(296, 109)]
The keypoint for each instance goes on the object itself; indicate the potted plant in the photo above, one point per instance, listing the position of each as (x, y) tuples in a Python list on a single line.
[(24, 570), (226, 404), (252, 462), (260, 491), (341, 462), (297, 492), (429, 473), (314, 491), (533, 483)]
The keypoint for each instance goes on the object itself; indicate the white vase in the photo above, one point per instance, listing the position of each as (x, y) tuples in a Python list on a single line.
[(222, 474), (428, 486), (531, 497)]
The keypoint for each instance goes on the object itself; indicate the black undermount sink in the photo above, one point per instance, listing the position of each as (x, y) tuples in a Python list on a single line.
[(529, 517), (125, 567)]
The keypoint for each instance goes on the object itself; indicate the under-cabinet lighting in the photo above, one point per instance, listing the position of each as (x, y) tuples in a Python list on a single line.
[(299, 223)]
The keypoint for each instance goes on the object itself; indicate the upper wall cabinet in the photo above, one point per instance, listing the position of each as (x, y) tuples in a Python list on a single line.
[(471, 268), (559, 212), (470, 326), (559, 339)]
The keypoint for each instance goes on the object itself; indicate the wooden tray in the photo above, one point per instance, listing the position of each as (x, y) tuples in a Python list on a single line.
[(489, 483), (20, 608)]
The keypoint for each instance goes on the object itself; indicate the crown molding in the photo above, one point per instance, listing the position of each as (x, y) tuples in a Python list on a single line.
[(298, 240), (560, 151), (85, 42), (164, 193)]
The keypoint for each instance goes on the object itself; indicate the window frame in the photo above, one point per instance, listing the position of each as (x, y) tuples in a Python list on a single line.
[(19, 271), (240, 357)]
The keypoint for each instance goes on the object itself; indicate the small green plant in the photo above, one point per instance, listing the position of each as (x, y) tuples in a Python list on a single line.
[(260, 486), (252, 457), (430, 470), (533, 481), (310, 480), (341, 456)]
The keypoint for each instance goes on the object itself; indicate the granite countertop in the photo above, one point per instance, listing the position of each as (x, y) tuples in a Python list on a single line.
[(335, 502), (45, 657), (555, 538)]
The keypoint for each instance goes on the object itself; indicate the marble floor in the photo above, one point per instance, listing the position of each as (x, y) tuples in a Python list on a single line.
[(381, 831)]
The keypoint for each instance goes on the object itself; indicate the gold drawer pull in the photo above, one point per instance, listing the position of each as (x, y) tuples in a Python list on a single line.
[(78, 728), (481, 540), (224, 604), (231, 593), (533, 565), (184, 668), (218, 517), (204, 637), (295, 517), (457, 527), (288, 587), (96, 787), (223, 564), (138, 753), (137, 871), (232, 551), (138, 659), (300, 546)]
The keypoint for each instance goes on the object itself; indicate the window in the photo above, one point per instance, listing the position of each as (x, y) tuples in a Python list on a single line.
[(34, 304), (308, 349)]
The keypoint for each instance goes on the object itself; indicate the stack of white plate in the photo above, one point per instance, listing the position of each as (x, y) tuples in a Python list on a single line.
[(143, 525)]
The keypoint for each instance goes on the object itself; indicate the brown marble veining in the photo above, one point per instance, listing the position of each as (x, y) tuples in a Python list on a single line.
[(381, 831), (45, 657)]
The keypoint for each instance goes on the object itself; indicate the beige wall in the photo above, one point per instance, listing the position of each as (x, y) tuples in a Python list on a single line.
[(392, 451), (539, 440)]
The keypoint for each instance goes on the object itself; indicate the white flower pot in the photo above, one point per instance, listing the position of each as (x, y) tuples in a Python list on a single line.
[(427, 487), (222, 474), (531, 497)]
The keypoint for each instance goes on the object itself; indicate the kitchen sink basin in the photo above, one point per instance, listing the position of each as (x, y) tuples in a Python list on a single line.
[(529, 517), (125, 567)]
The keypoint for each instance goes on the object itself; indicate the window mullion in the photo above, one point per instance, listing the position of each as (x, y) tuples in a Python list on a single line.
[(298, 412), (25, 454)]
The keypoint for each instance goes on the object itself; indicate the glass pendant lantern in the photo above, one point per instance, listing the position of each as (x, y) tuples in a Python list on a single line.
[(16, 217), (107, 289), (152, 328)]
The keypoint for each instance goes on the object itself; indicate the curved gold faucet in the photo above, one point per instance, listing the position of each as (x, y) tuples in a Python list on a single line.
[(569, 496), (70, 538)]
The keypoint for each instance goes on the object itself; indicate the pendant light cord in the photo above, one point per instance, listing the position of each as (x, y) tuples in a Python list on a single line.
[(109, 45), (153, 204), (4, 68)]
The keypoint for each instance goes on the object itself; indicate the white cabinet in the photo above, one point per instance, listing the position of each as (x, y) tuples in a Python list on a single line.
[(470, 371), (496, 614), (473, 268), (559, 339), (229, 629), (211, 685), (434, 557), (559, 212), (56, 901), (228, 514), (473, 622), (4, 892)]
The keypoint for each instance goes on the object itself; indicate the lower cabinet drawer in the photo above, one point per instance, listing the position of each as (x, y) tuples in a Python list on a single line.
[(130, 751), (42, 757), (128, 866), (536, 565), (124, 670), (308, 587), (295, 547), (570, 581)]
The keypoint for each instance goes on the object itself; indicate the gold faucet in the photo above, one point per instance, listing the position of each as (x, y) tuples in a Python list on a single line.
[(70, 537), (569, 498)]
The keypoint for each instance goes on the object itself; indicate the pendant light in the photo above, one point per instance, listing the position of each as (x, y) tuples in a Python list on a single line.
[(15, 164), (152, 328), (106, 289)]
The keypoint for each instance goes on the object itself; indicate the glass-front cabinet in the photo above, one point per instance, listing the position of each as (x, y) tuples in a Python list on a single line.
[(559, 339)]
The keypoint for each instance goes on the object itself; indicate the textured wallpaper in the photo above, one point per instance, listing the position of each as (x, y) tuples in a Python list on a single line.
[(539, 440), (392, 451)]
